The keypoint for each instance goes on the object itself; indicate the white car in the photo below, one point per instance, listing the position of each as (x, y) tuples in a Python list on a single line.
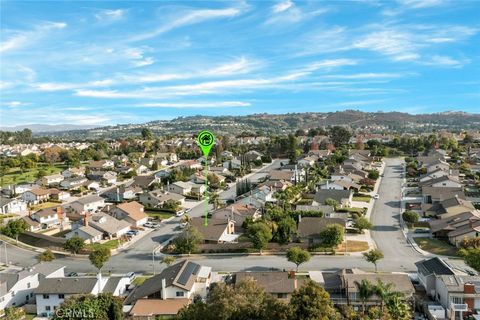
[(180, 213), (376, 196)]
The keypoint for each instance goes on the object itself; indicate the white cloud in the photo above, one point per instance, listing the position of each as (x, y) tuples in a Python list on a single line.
[(180, 105), (445, 61), (189, 18), (108, 16), (406, 5), (282, 6), (370, 75), (241, 65), (14, 104), (145, 62), (21, 39)]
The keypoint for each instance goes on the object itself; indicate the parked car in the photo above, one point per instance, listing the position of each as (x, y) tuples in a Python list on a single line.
[(149, 225), (376, 196), (132, 233), (131, 275), (72, 274), (180, 213)]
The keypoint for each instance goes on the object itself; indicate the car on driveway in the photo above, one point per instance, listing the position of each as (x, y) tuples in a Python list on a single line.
[(377, 196), (132, 233), (72, 274), (180, 213)]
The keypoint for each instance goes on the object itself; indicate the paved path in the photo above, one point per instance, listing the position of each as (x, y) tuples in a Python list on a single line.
[(399, 255)]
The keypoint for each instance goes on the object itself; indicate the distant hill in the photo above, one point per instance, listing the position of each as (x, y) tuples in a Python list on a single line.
[(37, 128), (276, 124)]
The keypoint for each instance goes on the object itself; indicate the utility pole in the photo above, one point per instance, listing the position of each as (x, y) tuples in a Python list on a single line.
[(153, 256)]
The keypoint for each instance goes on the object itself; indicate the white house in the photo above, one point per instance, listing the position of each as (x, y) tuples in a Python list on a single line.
[(73, 183), (51, 292), (8, 205), (35, 196), (51, 179), (182, 280), (89, 203), (73, 172), (180, 187), (16, 287)]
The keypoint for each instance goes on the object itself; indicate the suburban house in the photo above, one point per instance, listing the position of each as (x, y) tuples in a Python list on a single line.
[(439, 194), (340, 185), (440, 228), (238, 213), (280, 284), (85, 231), (109, 226), (51, 179), (144, 182), (17, 286), (447, 208), (131, 212), (35, 196), (443, 181), (73, 183), (232, 164), (88, 203), (101, 165), (253, 155), (121, 193), (180, 187), (157, 198), (11, 205), (108, 177), (182, 281), (458, 294), (52, 292), (49, 217), (279, 175), (466, 231), (401, 283), (73, 172), (309, 228), (342, 197), (217, 230), (429, 269)]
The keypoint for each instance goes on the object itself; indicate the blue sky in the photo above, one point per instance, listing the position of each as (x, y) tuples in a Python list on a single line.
[(114, 62)]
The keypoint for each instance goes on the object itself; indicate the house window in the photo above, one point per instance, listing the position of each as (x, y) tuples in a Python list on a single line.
[(13, 293), (46, 296), (458, 300), (27, 297), (28, 285), (180, 293), (61, 296), (282, 295), (48, 308)]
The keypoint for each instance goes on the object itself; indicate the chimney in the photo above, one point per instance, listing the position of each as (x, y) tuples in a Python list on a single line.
[(164, 290), (291, 274), (299, 218), (85, 219), (59, 213)]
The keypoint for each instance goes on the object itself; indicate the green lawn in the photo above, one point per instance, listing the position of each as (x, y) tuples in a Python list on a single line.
[(112, 244), (361, 198), (15, 175), (45, 205), (436, 246), (139, 280), (159, 214)]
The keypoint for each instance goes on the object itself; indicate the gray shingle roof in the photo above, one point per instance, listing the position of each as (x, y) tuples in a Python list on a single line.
[(434, 266), (337, 195), (66, 285)]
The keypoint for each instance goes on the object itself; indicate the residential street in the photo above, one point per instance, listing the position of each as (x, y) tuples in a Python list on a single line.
[(399, 255)]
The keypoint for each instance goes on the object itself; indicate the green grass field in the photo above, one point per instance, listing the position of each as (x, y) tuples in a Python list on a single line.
[(112, 244), (15, 175), (361, 198), (159, 214)]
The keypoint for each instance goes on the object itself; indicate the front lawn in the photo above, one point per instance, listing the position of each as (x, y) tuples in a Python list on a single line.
[(45, 205), (111, 244), (352, 246), (361, 198), (436, 246), (139, 280), (162, 215)]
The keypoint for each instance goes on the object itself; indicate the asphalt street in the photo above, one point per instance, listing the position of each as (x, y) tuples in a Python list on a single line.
[(387, 234)]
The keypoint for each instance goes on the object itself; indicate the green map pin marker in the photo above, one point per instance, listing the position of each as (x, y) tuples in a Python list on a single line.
[(206, 140)]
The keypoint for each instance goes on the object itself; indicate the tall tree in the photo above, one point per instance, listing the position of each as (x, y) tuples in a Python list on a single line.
[(365, 291), (362, 223), (14, 228), (312, 302), (340, 136), (147, 134), (260, 234), (188, 241), (99, 257), (298, 256), (332, 235)]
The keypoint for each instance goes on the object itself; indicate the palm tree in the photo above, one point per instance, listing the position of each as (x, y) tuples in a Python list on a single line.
[(384, 292), (398, 309), (365, 291)]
